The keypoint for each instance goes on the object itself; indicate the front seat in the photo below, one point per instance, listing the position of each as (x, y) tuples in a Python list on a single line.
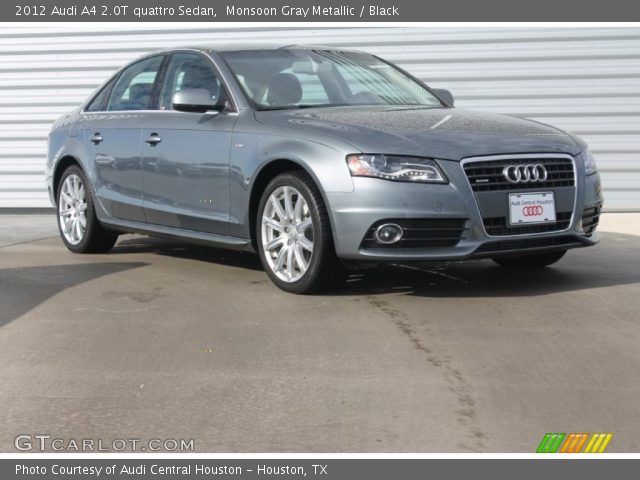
[(196, 76), (284, 89), (140, 96)]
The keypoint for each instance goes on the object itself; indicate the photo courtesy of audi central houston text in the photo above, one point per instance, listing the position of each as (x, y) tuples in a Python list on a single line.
[(323, 161)]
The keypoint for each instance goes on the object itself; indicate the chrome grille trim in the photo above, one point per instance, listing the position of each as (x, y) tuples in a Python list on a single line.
[(488, 176), (524, 158)]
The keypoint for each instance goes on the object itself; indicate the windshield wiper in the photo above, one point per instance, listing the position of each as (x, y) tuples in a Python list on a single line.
[(397, 107), (295, 107)]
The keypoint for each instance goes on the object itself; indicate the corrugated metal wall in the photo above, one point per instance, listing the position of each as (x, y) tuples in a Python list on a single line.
[(586, 80)]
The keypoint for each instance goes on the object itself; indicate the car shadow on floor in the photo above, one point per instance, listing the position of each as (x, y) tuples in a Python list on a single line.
[(170, 248), (615, 261), (24, 288)]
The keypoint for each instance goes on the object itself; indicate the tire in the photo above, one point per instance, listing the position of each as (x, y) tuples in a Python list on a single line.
[(302, 225), (538, 260), (74, 208)]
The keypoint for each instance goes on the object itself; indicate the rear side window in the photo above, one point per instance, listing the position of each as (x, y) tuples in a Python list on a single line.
[(99, 102), (134, 88)]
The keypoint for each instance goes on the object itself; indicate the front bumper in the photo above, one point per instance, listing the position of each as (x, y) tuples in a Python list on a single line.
[(374, 200)]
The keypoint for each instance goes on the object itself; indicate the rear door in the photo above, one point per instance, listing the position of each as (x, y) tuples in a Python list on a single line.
[(112, 136), (186, 154)]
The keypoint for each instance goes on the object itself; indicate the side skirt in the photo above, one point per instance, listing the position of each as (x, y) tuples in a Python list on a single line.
[(171, 233)]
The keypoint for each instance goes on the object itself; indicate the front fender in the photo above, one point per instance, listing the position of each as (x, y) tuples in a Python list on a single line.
[(251, 153), (326, 165)]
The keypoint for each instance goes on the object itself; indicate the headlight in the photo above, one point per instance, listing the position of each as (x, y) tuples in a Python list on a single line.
[(590, 166), (396, 168)]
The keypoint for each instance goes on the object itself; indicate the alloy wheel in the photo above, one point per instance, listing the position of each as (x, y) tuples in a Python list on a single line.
[(72, 208), (287, 234)]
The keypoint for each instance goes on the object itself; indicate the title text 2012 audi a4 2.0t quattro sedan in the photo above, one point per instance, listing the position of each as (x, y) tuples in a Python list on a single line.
[(315, 158)]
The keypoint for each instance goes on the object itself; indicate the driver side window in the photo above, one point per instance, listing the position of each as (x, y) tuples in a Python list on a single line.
[(190, 71), (134, 88)]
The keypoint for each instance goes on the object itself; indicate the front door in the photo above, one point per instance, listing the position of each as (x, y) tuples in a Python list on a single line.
[(186, 155)]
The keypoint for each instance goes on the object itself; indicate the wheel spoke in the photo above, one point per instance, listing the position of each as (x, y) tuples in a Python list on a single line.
[(66, 228), (78, 229), (278, 208), (65, 196), (290, 262), (304, 225), (275, 243), (297, 209), (83, 222), (66, 212), (74, 187), (273, 223), (288, 203), (282, 255), (72, 229), (305, 243), (300, 260)]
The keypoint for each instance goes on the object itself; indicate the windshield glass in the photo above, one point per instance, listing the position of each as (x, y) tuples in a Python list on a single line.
[(290, 78)]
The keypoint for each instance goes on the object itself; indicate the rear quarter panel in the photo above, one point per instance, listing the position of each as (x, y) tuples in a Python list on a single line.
[(65, 140)]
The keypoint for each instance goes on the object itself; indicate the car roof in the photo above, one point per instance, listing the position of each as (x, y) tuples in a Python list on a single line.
[(231, 47)]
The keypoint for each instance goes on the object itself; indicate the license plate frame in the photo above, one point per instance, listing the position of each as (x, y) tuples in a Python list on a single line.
[(532, 208)]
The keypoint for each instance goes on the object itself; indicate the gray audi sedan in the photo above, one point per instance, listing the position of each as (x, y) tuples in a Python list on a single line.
[(316, 158)]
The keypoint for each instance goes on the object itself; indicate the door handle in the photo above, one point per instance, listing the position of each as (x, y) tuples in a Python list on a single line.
[(97, 138), (102, 159), (153, 139)]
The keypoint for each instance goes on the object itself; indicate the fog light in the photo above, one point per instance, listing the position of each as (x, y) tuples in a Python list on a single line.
[(388, 233)]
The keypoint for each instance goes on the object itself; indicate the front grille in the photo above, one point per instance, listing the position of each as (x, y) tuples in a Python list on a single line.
[(508, 245), (590, 219), (487, 175), (497, 226), (421, 233)]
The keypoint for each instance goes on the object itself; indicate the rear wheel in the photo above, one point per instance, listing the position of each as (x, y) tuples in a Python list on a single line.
[(537, 260), (79, 226), (294, 236)]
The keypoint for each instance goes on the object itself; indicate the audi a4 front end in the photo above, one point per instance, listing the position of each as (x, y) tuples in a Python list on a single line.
[(316, 159)]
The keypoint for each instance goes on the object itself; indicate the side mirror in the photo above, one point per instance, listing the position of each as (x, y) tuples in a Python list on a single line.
[(445, 95), (195, 100)]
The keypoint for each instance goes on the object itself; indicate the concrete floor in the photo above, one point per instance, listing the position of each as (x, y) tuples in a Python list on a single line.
[(158, 339)]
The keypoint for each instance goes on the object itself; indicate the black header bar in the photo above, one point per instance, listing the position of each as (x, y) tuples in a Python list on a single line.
[(269, 11)]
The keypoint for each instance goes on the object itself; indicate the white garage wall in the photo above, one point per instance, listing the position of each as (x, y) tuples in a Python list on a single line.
[(586, 80)]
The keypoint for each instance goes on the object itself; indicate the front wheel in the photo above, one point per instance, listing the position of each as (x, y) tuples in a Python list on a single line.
[(537, 260), (80, 229), (294, 236)]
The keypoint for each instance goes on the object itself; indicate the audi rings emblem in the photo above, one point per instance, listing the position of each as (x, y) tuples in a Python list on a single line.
[(525, 173), (532, 210)]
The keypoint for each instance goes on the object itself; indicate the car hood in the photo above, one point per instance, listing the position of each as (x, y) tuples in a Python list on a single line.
[(447, 133)]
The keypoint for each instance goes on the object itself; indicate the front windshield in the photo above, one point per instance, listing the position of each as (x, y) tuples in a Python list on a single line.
[(299, 78)]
